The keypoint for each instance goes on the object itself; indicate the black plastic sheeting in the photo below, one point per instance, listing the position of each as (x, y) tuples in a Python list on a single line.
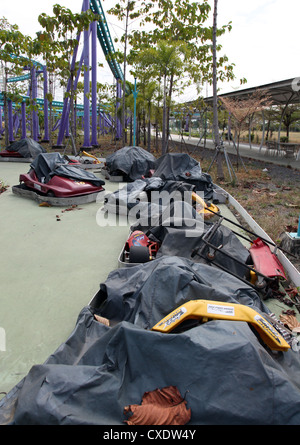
[(225, 373), (47, 165), (184, 236), (130, 195), (130, 162), (27, 147), (130, 199), (182, 167)]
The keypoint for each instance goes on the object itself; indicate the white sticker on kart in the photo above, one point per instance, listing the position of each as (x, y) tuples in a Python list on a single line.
[(220, 309)]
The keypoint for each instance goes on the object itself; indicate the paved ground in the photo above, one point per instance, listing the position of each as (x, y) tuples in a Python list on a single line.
[(49, 270), (254, 152)]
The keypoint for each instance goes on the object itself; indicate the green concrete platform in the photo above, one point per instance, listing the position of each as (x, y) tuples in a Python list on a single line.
[(49, 270)]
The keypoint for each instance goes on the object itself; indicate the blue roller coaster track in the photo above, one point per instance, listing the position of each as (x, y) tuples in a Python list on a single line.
[(107, 46), (105, 40)]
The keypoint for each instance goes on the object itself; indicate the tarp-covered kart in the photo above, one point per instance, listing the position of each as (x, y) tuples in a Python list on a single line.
[(51, 178), (182, 167), (181, 231), (223, 368), (26, 149), (152, 195), (128, 164)]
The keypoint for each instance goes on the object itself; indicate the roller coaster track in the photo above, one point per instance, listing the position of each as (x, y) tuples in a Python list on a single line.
[(105, 40), (24, 76)]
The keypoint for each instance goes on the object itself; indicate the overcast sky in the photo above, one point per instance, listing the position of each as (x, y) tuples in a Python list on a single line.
[(263, 43)]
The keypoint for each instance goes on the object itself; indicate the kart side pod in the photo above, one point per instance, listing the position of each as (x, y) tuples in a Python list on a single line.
[(206, 210), (205, 310)]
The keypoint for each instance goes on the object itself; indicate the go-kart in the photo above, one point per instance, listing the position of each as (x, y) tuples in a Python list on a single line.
[(139, 248), (52, 176), (24, 150), (205, 310)]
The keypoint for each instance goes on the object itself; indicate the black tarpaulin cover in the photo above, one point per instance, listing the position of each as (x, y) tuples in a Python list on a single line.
[(130, 162), (131, 194), (47, 165), (182, 167), (149, 197), (227, 376), (27, 147), (184, 237)]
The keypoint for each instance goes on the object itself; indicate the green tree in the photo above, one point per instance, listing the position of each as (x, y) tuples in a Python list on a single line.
[(124, 10), (183, 21), (215, 96), (180, 21), (12, 43), (164, 62), (288, 115)]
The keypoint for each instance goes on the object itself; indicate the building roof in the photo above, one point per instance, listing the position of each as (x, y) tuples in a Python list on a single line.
[(282, 92)]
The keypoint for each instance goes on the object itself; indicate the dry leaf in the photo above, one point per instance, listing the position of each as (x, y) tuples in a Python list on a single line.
[(159, 407), (44, 204), (294, 206), (101, 319), (291, 322)]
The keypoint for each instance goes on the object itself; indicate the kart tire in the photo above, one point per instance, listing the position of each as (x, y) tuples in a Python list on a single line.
[(139, 254)]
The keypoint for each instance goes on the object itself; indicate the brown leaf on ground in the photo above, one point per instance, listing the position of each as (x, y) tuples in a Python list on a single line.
[(159, 407), (291, 322)]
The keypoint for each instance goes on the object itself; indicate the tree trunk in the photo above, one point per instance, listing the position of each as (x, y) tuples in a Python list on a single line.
[(71, 116), (220, 172), (168, 113), (149, 128), (6, 109), (163, 151)]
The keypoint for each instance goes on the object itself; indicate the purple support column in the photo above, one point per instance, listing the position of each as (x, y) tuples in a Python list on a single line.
[(10, 121), (23, 110), (100, 122), (34, 96), (1, 128), (94, 141), (65, 112), (86, 102), (46, 118), (118, 123)]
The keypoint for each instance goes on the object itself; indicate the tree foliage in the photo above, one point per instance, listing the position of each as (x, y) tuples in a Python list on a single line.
[(180, 23), (243, 109)]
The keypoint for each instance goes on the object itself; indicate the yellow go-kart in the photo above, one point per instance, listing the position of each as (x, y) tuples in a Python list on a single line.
[(205, 310), (96, 160), (207, 211)]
